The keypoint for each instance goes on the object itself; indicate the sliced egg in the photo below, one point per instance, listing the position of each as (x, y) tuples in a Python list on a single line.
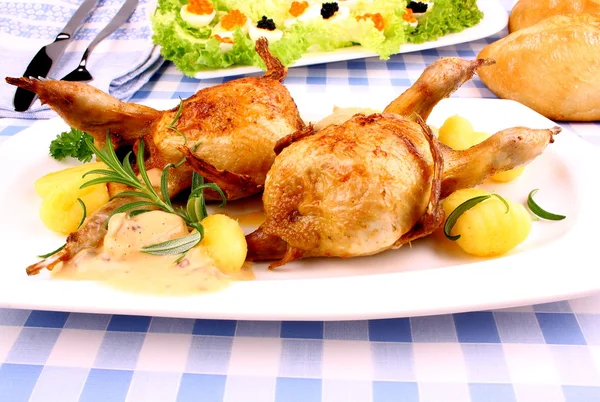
[(225, 47), (339, 15), (196, 20), (312, 13), (353, 3), (429, 7), (271, 36), (225, 33)]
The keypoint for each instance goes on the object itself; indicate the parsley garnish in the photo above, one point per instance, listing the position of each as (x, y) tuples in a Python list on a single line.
[(71, 144)]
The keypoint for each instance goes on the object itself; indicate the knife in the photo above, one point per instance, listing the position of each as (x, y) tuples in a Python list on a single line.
[(46, 57)]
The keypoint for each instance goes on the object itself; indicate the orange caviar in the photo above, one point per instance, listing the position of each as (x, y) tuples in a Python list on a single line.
[(409, 16), (223, 40), (376, 18), (298, 8), (233, 19), (200, 7)]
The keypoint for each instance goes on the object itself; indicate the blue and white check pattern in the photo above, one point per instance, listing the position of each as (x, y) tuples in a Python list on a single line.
[(540, 353)]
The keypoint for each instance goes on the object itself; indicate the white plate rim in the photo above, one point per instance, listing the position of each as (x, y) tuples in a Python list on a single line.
[(495, 19), (310, 299)]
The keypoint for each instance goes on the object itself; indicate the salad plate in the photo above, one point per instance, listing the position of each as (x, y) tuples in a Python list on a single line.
[(494, 20), (557, 261)]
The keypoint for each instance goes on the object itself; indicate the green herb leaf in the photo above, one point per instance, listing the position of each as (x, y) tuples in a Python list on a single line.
[(461, 209), (84, 214), (164, 185), (136, 212), (537, 210), (200, 190), (503, 201), (174, 246), (52, 252), (71, 144), (130, 194)]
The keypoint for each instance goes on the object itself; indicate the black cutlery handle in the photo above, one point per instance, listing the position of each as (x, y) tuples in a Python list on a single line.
[(39, 67)]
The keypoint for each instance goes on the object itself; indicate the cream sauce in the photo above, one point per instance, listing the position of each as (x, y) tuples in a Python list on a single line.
[(120, 264)]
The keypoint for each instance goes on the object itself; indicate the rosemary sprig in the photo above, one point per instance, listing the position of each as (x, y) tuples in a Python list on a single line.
[(176, 119), (122, 172)]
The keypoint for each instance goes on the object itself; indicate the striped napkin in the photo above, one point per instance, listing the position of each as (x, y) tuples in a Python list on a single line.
[(121, 64)]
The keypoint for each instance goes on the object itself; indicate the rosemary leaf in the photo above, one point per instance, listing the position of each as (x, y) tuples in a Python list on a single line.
[(537, 210), (84, 214), (200, 191), (178, 114), (133, 205), (174, 246), (129, 170), (130, 194), (461, 209), (106, 179), (136, 212), (98, 171), (164, 185), (503, 201), (52, 252)]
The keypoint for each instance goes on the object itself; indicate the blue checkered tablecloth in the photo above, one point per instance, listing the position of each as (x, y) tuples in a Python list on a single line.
[(540, 353)]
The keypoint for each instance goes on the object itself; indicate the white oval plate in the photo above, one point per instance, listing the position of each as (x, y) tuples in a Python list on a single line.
[(557, 261), (494, 20)]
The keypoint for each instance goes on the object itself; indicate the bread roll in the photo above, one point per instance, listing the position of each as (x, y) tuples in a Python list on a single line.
[(529, 12), (552, 67)]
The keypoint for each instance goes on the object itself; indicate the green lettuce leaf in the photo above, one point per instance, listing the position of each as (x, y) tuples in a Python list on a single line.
[(192, 50), (274, 9), (447, 16)]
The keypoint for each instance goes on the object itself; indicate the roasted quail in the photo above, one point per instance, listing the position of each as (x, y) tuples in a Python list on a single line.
[(231, 127), (374, 182)]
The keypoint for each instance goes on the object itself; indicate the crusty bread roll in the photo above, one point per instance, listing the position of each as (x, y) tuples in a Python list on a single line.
[(529, 12), (552, 67)]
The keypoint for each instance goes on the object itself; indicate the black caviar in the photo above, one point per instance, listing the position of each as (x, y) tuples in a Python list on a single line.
[(266, 23), (328, 9), (417, 6)]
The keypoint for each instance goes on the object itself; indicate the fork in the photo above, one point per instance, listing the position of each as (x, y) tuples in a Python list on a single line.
[(80, 73)]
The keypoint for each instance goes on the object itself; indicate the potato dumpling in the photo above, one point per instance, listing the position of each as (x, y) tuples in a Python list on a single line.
[(60, 211), (225, 242), (457, 132), (508, 175), (487, 229), (45, 184)]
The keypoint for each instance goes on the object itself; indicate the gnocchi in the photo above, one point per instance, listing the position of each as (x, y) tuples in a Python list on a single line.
[(60, 211), (225, 242), (488, 229)]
